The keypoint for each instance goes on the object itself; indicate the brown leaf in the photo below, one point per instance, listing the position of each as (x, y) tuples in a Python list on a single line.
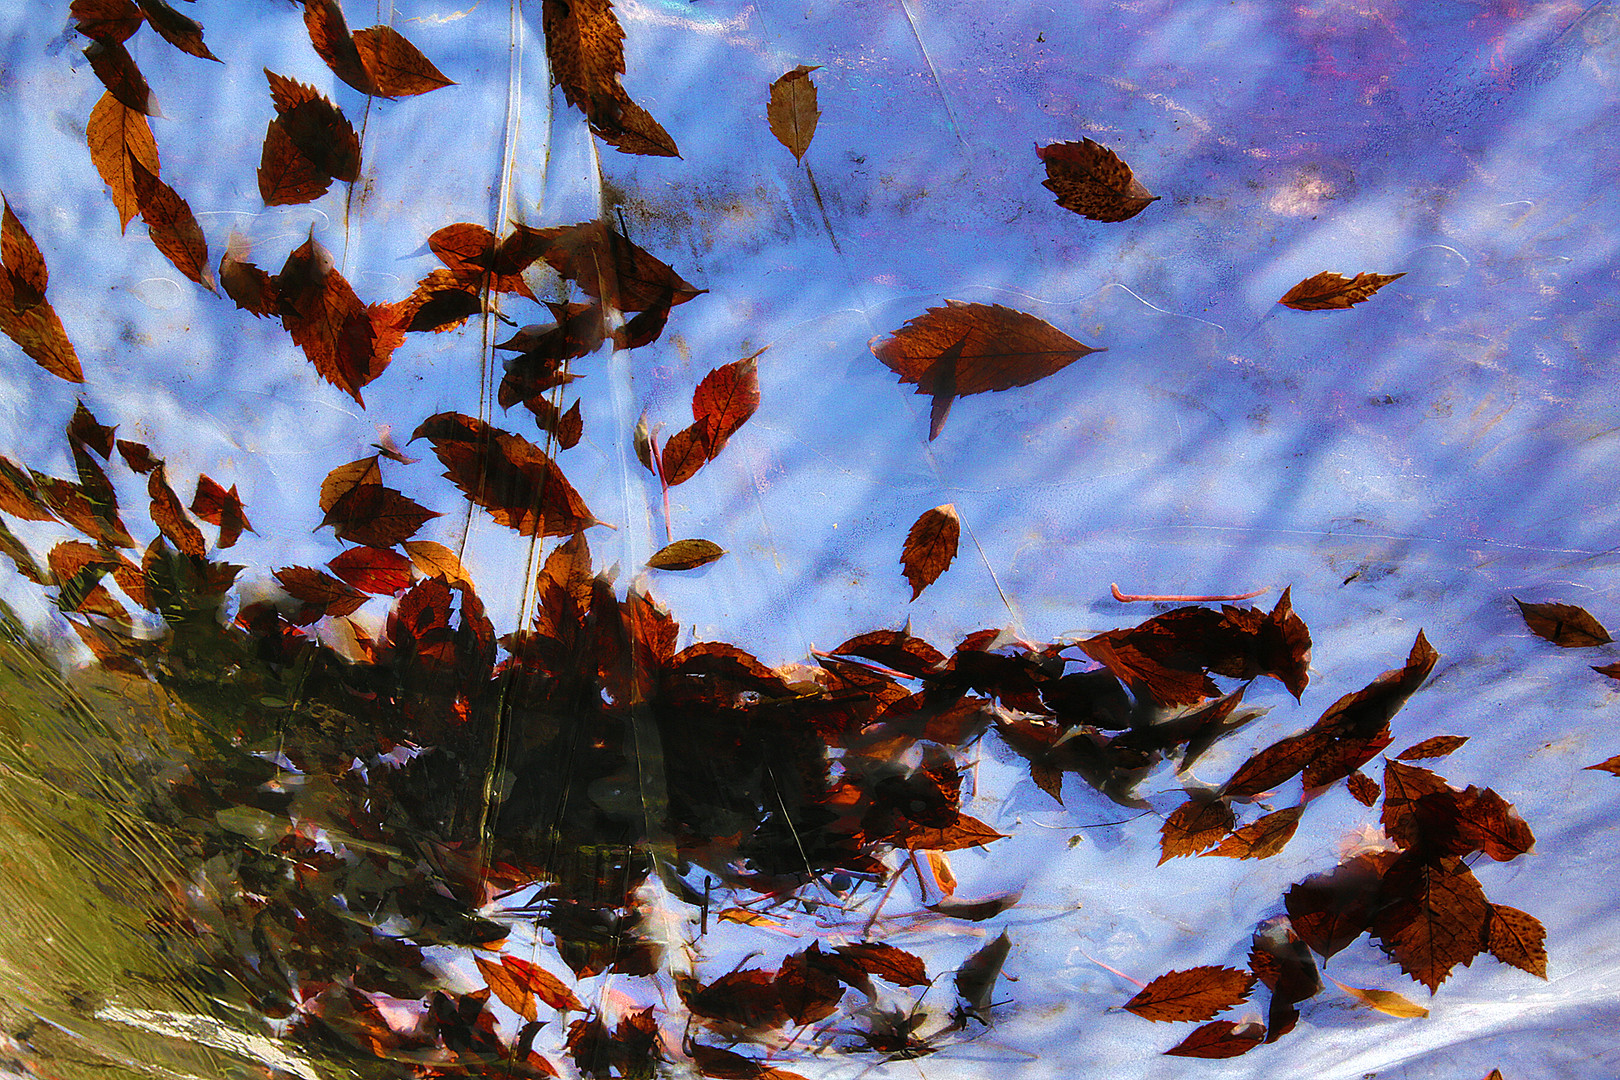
[(1261, 839), (975, 910), (1611, 670), (1494, 1074), (117, 71), (327, 320), (374, 570), (1567, 625), (513, 993), (329, 33), (1194, 826), (585, 46), (684, 453), (1364, 788), (1220, 1039), (85, 430), (1356, 727), (1195, 994), (440, 302), (109, 21), (930, 547), (345, 478), (326, 592), (376, 516), (1091, 180), (138, 456), (976, 978), (1612, 765), (118, 135), (316, 126), (247, 285), (436, 560), (1404, 786), (471, 254), (1436, 917), (286, 176), (610, 268), (395, 66), (1276, 764), (964, 832), (1331, 910), (685, 555), (39, 333), (570, 428), (1438, 746), (22, 558), (724, 400), (886, 962), (18, 495), (1328, 291), (520, 486), (965, 349), (630, 129), (170, 516), (792, 111), (217, 506), (170, 224), (1519, 939), (724, 1064), (183, 33)]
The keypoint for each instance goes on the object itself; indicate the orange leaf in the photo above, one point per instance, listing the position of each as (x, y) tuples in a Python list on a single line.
[(964, 832), (930, 547), (510, 477), (1519, 939), (345, 478), (18, 495), (217, 506), (1091, 180), (1328, 291), (1194, 826), (792, 111), (1262, 838), (1567, 625), (1385, 1001), (25, 315), (513, 994), (183, 33), (117, 136), (287, 176), (170, 224), (1612, 765), (1438, 746), (1195, 994), (1220, 1039), (436, 560), (1435, 917), (396, 67), (1364, 788), (170, 516), (724, 400)]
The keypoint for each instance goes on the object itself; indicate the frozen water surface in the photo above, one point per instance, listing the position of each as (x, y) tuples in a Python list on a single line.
[(211, 874)]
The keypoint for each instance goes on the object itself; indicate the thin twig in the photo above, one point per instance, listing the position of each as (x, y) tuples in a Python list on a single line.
[(1133, 598)]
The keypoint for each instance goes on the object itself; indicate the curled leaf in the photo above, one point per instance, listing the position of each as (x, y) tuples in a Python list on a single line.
[(1387, 1002), (1328, 291), (1091, 180)]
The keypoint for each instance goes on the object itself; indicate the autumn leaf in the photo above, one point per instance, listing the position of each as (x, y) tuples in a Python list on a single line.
[(721, 404), (117, 71), (1262, 838), (217, 506), (441, 301), (1611, 766), (1435, 917), (324, 591), (327, 320), (170, 516), (118, 137), (395, 66), (976, 978), (1364, 788), (138, 456), (171, 225), (1220, 1039), (472, 255), (329, 33), (608, 267), (792, 111), (1331, 910), (886, 962), (376, 516), (685, 555), (512, 992), (1387, 1002), (18, 495), (1404, 786), (930, 547), (436, 560), (956, 907), (107, 21), (286, 176), (1195, 994), (962, 349), (1567, 625), (1438, 746), (1091, 180), (510, 477), (25, 315), (585, 45), (964, 832), (1518, 938), (379, 571), (1356, 727), (1194, 826), (345, 478), (1328, 291), (183, 33)]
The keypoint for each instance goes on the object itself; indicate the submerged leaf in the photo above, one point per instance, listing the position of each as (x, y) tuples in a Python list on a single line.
[(1091, 180), (685, 555)]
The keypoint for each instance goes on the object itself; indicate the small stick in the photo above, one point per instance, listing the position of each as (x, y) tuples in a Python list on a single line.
[(1136, 982), (866, 931), (1132, 598)]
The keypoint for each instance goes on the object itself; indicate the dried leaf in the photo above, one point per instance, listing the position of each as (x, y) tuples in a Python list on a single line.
[(138, 456), (18, 495), (685, 555), (749, 918), (570, 428), (886, 962), (376, 516), (1364, 788), (792, 110), (1356, 727), (109, 21), (169, 515), (1220, 1039), (1611, 766), (324, 591), (964, 832), (327, 320), (183, 33), (170, 224), (84, 430), (117, 71), (374, 570), (1385, 1001), (396, 67), (118, 136), (1438, 746), (345, 478), (930, 547), (1091, 180), (976, 978), (329, 33), (609, 268), (1436, 917), (1568, 625), (1328, 291), (1262, 838), (724, 400), (436, 560), (974, 910), (25, 315), (286, 176), (520, 486), (513, 994), (1331, 910), (939, 864), (585, 46), (1195, 994), (472, 254), (1519, 939), (1194, 826), (1404, 786), (962, 349), (217, 506)]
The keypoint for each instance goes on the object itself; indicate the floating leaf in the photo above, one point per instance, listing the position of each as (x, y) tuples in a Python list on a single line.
[(217, 506), (930, 547), (183, 33), (1364, 788), (376, 516), (1612, 765), (436, 560), (171, 225), (585, 45), (374, 570), (1519, 939), (1567, 625), (975, 910), (1194, 826), (609, 268), (976, 978), (792, 110), (1091, 180), (119, 137), (1435, 917), (324, 591), (327, 320), (169, 515), (1385, 1001), (329, 33), (962, 349), (396, 67), (1220, 1039), (685, 555), (1438, 746), (107, 21), (1262, 838), (1194, 994), (25, 315), (117, 71), (507, 475), (1328, 291)]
